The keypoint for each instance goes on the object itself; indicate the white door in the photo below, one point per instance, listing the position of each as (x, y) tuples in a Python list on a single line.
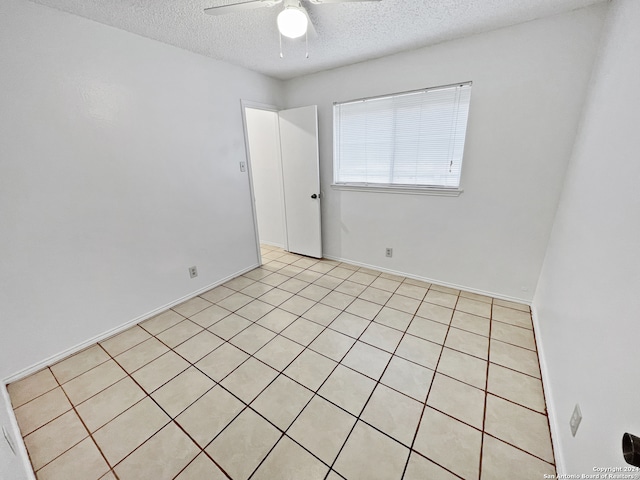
[(301, 179)]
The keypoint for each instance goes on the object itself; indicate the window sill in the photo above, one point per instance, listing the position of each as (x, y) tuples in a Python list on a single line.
[(437, 191)]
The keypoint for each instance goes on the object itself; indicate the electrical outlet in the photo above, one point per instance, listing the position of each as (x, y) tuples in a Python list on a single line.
[(576, 418), (193, 271), (243, 166), (389, 252)]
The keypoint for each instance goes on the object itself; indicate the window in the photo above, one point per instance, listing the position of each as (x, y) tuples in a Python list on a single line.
[(412, 140)]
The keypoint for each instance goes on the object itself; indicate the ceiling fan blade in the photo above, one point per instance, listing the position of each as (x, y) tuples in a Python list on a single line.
[(320, 2), (241, 6)]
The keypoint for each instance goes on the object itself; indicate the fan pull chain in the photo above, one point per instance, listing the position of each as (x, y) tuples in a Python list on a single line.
[(306, 42), (281, 54)]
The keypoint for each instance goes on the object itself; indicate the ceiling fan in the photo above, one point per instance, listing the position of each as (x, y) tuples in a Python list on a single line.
[(293, 21)]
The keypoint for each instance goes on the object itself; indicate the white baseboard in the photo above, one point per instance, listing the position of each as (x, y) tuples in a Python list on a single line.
[(114, 331), (273, 244), (432, 280), (17, 442), (548, 395)]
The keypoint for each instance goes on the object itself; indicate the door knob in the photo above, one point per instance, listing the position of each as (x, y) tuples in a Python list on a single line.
[(314, 196)]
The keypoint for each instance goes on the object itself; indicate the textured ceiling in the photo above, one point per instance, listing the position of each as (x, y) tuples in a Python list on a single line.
[(346, 33)]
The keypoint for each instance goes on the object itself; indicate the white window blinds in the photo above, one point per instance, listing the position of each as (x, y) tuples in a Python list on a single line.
[(413, 139)]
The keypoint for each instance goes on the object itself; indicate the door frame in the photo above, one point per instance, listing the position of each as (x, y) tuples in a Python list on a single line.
[(244, 104)]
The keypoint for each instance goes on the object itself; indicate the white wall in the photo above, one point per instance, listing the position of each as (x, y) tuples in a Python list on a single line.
[(587, 302), (266, 172), (119, 169), (529, 82)]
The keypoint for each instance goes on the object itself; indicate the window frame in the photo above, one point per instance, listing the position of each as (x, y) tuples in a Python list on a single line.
[(396, 188)]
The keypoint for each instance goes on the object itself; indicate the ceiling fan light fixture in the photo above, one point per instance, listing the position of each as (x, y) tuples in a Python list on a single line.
[(292, 22)]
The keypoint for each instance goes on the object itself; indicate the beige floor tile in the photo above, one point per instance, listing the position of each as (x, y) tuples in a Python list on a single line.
[(322, 428), (516, 358), (243, 444), (293, 285), (109, 476), (108, 404), (341, 272), (254, 310), (349, 324), (282, 401), (129, 430), (179, 333), (275, 279), (235, 301), (249, 379), (220, 293), (252, 339), (310, 369), (468, 342), (517, 387), (163, 456), (393, 413), (337, 300), (408, 378), (239, 283), (471, 323), (181, 391), (419, 351), (41, 410), (160, 371), (328, 281), (362, 278), (332, 344), (419, 283), (222, 361), (350, 288), (435, 312), (366, 359), (256, 290), (419, 468), (291, 271), (404, 304), (279, 352), (208, 416), (457, 399), (54, 439), (125, 340), (257, 274), (413, 291), (288, 461), (522, 337), (393, 318), (440, 298), (474, 307), (519, 426), (386, 284), (308, 276), (322, 267), (93, 381), (334, 476), (370, 455), (391, 276), (517, 306), (30, 387), (302, 331), (381, 336), (192, 306), (514, 317), (500, 461), (161, 322), (428, 330), (463, 367), (297, 305), (201, 468), (82, 461), (209, 316), (304, 262), (199, 346), (141, 354), (348, 389), (314, 292), (229, 326), (349, 266), (76, 365), (277, 320), (364, 309), (376, 295), (276, 297), (443, 289), (476, 296), (322, 314), (449, 443)]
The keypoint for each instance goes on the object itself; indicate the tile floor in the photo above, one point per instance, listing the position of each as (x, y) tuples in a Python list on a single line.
[(300, 369)]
